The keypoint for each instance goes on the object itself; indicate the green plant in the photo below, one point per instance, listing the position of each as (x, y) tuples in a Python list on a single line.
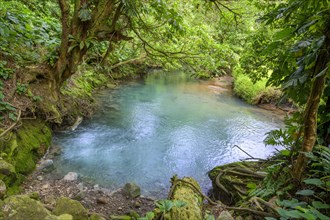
[(166, 205), (5, 72), (21, 88)]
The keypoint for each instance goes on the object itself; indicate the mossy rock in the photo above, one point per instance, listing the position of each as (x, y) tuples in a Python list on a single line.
[(68, 206), (22, 207), (185, 191), (230, 181)]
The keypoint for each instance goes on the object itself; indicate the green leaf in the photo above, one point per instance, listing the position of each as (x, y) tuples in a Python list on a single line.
[(164, 205), (285, 152), (12, 116), (72, 47), (179, 204), (305, 192), (81, 45), (315, 182), (291, 213), (285, 33), (320, 215), (320, 205)]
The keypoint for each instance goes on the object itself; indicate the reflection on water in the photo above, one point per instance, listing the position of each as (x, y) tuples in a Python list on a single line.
[(149, 130)]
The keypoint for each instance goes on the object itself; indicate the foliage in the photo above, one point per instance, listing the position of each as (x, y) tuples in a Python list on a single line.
[(25, 35), (5, 72), (164, 206), (84, 82)]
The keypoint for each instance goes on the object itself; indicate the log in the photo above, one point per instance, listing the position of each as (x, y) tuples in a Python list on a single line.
[(188, 191)]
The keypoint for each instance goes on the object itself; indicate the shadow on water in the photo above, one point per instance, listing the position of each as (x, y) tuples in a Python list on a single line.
[(148, 130)]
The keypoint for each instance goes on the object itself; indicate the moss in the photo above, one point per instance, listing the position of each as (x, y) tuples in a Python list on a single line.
[(20, 152), (68, 206), (33, 140), (186, 193), (22, 207)]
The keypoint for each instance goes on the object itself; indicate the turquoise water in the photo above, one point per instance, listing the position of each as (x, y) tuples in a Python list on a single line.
[(148, 130)]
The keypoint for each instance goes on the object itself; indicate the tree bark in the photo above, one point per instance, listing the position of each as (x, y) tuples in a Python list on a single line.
[(311, 111)]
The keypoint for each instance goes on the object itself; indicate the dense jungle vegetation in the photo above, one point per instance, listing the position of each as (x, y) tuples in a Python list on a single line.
[(54, 54)]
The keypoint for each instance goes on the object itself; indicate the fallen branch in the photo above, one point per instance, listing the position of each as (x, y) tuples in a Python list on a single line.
[(244, 151), (13, 125)]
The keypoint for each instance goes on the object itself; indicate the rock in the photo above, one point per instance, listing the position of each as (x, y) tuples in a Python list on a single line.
[(80, 186), (46, 165), (54, 150), (102, 200), (225, 215), (68, 206), (40, 178), (96, 216), (22, 207), (96, 187), (3, 189), (137, 204), (132, 190), (71, 176), (6, 168), (80, 195), (45, 186)]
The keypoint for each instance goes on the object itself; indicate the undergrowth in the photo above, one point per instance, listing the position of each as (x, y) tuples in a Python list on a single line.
[(254, 92)]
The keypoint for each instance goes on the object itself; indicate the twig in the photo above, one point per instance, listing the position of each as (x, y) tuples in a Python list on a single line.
[(244, 151), (13, 125)]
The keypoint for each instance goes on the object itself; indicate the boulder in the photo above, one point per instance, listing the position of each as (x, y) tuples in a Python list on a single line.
[(132, 190), (71, 176), (22, 207), (68, 206)]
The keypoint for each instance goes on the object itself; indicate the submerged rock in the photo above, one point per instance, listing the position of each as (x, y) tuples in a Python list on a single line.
[(71, 176), (22, 207), (68, 206), (132, 190)]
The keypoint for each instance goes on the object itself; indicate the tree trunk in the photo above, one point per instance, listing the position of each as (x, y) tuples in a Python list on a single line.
[(310, 117)]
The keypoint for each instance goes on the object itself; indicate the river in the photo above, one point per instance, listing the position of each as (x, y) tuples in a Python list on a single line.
[(150, 129)]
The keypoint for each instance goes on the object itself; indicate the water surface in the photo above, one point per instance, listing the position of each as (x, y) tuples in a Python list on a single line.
[(148, 130)]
